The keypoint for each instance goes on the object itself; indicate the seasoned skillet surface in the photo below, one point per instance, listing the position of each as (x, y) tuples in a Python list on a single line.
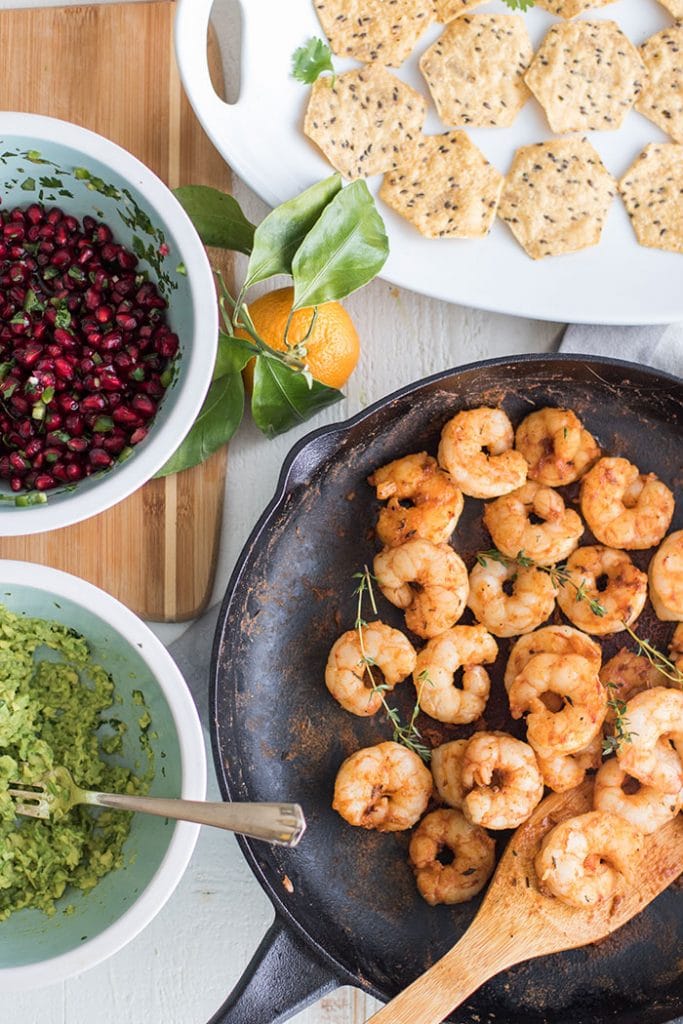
[(278, 734)]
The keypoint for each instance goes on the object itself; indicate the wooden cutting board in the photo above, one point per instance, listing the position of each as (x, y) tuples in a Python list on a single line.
[(112, 68)]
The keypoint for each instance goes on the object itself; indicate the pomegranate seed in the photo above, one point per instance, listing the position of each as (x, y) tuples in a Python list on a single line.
[(33, 447), (75, 426), (93, 403), (99, 458), (110, 382), (34, 214), (13, 231), (18, 463), (125, 417), (77, 444), (144, 405), (126, 322), (28, 356), (44, 482), (64, 369), (112, 341)]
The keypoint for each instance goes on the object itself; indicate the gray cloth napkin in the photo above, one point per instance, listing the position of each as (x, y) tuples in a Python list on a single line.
[(658, 346)]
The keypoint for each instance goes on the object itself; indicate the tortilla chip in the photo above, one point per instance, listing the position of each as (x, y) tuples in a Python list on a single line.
[(375, 30), (586, 75), (475, 70), (447, 190), (446, 10), (652, 190), (662, 98), (363, 120), (674, 7), (570, 8), (556, 197)]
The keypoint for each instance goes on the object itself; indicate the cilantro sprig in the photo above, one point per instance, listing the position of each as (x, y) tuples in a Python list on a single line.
[(311, 60)]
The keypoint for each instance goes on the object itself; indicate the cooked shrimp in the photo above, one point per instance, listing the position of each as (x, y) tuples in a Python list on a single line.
[(625, 675), (476, 449), (566, 771), (436, 503), (508, 521), (446, 767), (556, 446), (608, 577), (503, 780), (428, 580), (580, 718), (665, 576), (623, 507), (647, 809), (654, 755), (550, 640), (530, 603), (676, 647), (466, 647), (348, 675), (582, 860), (473, 857), (386, 787)]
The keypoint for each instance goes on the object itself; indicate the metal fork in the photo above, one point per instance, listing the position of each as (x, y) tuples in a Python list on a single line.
[(279, 823)]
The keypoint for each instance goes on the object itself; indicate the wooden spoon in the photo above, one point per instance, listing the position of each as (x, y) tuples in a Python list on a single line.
[(517, 922)]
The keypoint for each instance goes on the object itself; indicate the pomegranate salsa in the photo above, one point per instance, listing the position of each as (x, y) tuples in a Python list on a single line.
[(85, 350)]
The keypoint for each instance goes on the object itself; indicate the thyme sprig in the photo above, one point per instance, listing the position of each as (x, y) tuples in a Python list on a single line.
[(622, 734), (559, 574), (408, 735), (658, 660)]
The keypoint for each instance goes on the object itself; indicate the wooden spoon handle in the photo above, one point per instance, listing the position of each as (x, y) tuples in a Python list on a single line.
[(486, 948)]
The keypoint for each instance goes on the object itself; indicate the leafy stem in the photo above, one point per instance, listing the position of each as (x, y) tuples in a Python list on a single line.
[(408, 735), (559, 574), (330, 240), (612, 744), (658, 661), (240, 320)]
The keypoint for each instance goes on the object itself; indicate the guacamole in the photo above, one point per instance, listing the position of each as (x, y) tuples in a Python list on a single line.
[(53, 711)]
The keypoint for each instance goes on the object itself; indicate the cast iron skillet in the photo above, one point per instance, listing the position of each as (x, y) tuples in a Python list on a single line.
[(346, 907)]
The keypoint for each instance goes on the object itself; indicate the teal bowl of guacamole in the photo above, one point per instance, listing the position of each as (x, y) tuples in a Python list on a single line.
[(84, 683)]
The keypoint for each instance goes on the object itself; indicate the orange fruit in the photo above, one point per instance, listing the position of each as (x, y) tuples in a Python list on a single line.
[(332, 347)]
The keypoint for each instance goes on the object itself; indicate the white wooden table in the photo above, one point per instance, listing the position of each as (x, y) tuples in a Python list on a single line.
[(179, 970)]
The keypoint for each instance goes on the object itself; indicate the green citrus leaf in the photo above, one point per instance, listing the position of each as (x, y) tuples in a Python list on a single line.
[(217, 217), (232, 355), (217, 421), (282, 397), (344, 250), (278, 237)]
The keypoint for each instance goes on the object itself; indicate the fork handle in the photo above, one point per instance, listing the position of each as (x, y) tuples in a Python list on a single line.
[(282, 824)]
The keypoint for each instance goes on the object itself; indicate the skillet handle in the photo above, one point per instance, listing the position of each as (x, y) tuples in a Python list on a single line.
[(283, 978)]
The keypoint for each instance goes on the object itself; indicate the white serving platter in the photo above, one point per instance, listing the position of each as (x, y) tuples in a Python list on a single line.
[(260, 136)]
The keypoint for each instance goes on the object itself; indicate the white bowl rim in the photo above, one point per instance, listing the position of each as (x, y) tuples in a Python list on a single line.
[(193, 773), (163, 441)]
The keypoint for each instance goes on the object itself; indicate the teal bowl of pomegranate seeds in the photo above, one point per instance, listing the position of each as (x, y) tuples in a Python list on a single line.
[(108, 324)]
